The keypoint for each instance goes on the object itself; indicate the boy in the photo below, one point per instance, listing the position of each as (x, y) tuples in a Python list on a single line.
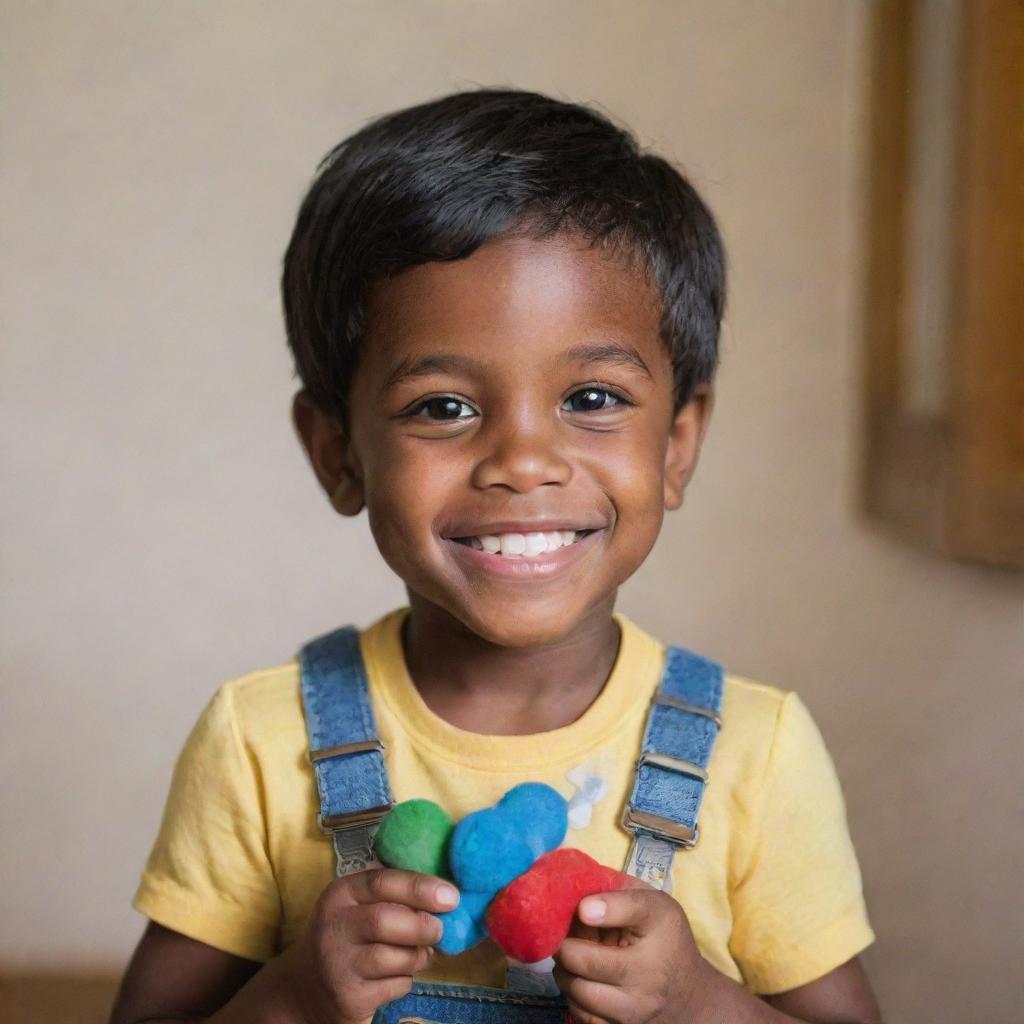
[(505, 320)]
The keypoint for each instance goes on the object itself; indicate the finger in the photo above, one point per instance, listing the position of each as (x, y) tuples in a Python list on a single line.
[(410, 888), (595, 961), (395, 925), (387, 989), (634, 908), (579, 930), (589, 999), (607, 936), (379, 960), (577, 1015)]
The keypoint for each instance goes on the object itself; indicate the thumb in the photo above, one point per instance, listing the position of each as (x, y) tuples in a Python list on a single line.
[(635, 907)]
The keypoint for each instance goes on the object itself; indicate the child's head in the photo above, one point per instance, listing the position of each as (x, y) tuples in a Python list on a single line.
[(505, 319)]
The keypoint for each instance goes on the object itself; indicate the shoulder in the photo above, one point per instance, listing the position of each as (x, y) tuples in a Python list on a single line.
[(747, 698), (752, 715), (770, 750), (774, 721), (262, 687), (261, 707), (767, 734), (759, 721), (753, 708)]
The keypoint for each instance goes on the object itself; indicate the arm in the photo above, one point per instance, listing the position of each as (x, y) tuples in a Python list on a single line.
[(369, 933), (842, 996), (633, 960), (174, 978)]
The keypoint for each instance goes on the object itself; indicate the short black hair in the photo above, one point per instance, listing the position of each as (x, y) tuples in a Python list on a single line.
[(435, 181)]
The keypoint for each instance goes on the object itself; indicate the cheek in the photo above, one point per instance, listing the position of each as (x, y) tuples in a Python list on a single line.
[(634, 478), (633, 475), (406, 490)]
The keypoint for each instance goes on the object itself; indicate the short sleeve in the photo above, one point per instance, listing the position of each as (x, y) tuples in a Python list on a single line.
[(798, 909), (209, 875)]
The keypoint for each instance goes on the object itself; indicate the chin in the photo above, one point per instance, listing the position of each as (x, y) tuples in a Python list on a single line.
[(520, 627)]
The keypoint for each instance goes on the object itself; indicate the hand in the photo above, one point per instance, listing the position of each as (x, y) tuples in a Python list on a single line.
[(630, 958), (368, 934)]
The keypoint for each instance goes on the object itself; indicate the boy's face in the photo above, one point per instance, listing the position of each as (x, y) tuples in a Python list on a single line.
[(521, 391)]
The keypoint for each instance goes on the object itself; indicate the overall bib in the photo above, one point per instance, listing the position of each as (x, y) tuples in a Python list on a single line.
[(352, 785)]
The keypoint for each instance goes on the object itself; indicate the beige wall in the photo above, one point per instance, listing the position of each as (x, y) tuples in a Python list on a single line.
[(162, 531)]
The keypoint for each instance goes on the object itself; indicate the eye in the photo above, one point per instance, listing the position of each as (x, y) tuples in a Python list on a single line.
[(442, 409), (593, 399)]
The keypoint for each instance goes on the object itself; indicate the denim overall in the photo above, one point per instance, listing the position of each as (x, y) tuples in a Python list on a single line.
[(354, 795)]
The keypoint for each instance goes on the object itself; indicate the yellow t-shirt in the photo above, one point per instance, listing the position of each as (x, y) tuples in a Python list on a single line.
[(772, 890)]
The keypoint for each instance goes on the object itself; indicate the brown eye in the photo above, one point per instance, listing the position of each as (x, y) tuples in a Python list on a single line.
[(443, 409), (591, 400)]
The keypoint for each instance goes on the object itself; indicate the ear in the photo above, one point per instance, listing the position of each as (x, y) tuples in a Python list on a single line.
[(330, 454), (685, 437)]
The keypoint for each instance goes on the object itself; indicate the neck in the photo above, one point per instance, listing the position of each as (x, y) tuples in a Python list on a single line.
[(483, 687)]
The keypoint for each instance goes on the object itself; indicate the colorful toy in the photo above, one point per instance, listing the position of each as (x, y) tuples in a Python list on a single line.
[(464, 926), (504, 858), (531, 916), (493, 846), (414, 835)]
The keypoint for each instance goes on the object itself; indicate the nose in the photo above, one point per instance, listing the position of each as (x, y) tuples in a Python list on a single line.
[(520, 454)]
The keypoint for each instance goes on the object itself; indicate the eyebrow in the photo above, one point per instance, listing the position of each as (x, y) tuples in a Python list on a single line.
[(442, 362), (615, 353)]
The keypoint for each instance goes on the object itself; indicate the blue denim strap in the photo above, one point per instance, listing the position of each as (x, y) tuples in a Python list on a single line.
[(348, 762), (671, 772), (438, 1003)]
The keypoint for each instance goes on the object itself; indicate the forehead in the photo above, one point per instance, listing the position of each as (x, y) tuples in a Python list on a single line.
[(517, 296)]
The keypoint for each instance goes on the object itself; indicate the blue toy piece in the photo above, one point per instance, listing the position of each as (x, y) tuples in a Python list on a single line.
[(464, 926), (541, 813), (490, 848)]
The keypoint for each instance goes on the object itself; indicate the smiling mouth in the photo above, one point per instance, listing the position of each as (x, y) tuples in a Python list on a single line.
[(523, 545)]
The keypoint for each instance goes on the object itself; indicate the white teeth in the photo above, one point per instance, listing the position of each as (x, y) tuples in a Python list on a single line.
[(536, 543), (512, 543), (522, 545)]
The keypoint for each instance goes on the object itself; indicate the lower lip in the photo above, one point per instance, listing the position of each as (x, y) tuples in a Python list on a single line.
[(540, 567)]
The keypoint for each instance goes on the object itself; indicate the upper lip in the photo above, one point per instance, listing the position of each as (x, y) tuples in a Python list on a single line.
[(518, 526)]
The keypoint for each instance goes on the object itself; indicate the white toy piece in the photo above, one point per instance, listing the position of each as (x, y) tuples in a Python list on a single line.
[(590, 788)]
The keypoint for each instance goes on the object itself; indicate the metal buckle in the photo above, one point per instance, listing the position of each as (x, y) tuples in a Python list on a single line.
[(366, 818), (692, 709), (664, 828), (661, 828), (673, 764), (353, 819), (346, 748), (650, 860)]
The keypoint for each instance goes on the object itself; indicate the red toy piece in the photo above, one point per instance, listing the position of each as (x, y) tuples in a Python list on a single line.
[(531, 916)]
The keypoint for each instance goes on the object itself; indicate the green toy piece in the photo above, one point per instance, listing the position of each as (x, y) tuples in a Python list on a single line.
[(414, 835)]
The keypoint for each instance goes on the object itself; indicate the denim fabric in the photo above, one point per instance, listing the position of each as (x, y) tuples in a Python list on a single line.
[(681, 734), (472, 1004), (337, 705)]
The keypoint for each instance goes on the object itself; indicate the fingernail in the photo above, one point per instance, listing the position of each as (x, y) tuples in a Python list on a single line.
[(447, 896), (593, 911)]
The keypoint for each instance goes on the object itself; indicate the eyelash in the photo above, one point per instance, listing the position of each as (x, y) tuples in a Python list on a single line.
[(415, 412)]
